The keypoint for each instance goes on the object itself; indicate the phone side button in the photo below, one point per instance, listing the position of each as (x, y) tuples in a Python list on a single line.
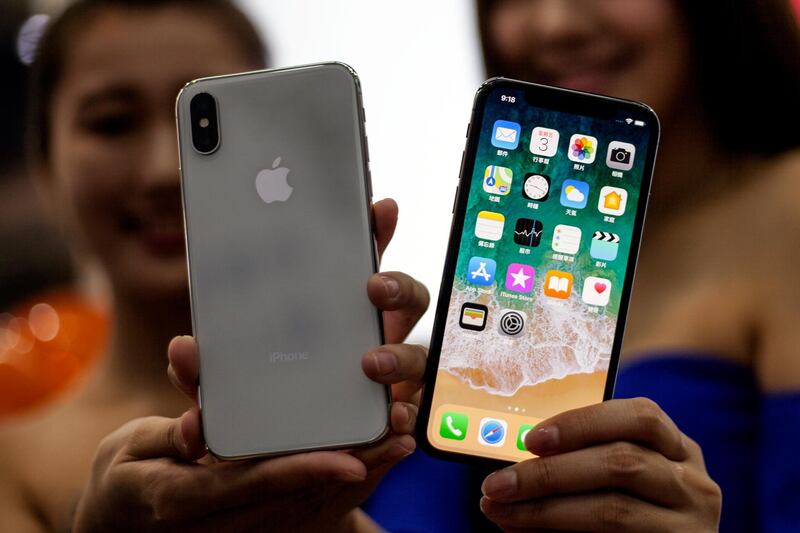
[(455, 199), (366, 147), (369, 181)]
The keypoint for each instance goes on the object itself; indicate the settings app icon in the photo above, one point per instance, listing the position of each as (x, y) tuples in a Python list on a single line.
[(512, 322)]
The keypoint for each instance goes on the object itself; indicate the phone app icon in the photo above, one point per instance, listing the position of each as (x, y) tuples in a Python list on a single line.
[(620, 155), (492, 432), (582, 148), (519, 277), (574, 194), (489, 225), (544, 141), (528, 232), (536, 187), (605, 245), (596, 291), (558, 284), (497, 180), (480, 271), (454, 426), (512, 322), (566, 239), (505, 134), (612, 200), (524, 429), (473, 316)]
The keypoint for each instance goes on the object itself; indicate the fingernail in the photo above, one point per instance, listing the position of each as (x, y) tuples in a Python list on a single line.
[(392, 286), (397, 452), (542, 439), (351, 476), (405, 415), (489, 507), (501, 484), (385, 362)]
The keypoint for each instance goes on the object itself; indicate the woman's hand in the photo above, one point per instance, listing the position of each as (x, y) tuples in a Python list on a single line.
[(154, 473), (618, 466)]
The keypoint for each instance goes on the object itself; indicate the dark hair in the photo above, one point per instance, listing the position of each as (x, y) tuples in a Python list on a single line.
[(746, 58), (13, 90), (51, 55)]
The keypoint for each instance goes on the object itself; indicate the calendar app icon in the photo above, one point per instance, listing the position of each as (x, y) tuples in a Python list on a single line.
[(544, 141)]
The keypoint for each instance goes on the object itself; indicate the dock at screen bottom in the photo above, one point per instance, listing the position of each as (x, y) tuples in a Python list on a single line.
[(472, 431)]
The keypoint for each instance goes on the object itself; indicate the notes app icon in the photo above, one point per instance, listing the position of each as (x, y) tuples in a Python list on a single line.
[(489, 226), (558, 284)]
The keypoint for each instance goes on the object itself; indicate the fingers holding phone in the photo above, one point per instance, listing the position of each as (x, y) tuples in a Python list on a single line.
[(617, 466)]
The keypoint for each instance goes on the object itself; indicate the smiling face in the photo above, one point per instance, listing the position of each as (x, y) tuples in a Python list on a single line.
[(112, 166), (636, 49)]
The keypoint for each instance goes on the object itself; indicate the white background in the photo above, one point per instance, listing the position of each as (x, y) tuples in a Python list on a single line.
[(419, 64)]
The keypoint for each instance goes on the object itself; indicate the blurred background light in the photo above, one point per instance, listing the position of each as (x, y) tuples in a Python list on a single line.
[(29, 35)]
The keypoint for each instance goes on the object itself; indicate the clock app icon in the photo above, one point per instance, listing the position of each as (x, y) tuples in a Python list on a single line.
[(536, 187)]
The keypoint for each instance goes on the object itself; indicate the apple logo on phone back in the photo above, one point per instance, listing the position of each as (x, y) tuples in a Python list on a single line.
[(271, 184)]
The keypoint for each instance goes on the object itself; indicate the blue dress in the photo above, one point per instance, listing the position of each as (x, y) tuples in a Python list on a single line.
[(750, 441)]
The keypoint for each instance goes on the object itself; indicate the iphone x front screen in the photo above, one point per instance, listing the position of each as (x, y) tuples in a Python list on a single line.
[(540, 263)]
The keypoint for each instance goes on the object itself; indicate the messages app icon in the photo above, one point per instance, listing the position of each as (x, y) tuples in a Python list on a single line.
[(454, 426), (505, 134)]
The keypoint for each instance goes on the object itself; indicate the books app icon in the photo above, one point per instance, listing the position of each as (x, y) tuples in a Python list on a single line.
[(558, 284)]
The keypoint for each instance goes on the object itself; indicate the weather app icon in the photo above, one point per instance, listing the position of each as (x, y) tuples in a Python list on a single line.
[(574, 194)]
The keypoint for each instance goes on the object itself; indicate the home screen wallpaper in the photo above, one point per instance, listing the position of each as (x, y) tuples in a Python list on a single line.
[(540, 271)]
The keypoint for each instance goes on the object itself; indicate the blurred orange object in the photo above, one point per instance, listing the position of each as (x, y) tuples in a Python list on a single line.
[(46, 344)]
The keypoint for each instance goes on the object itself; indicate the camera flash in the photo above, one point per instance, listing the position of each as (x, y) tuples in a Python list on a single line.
[(204, 122)]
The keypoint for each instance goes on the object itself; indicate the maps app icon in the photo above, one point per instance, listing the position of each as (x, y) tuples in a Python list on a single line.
[(497, 180)]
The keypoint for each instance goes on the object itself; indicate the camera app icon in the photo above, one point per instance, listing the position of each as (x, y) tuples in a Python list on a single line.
[(620, 155)]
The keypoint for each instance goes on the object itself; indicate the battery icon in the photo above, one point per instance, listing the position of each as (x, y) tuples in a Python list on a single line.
[(638, 123)]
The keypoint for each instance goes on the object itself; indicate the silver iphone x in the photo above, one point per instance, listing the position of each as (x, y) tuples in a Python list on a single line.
[(277, 210)]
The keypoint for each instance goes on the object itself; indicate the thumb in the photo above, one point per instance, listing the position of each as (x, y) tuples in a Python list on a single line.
[(156, 436)]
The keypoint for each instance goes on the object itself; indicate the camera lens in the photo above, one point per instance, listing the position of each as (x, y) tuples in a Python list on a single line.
[(620, 155), (205, 127)]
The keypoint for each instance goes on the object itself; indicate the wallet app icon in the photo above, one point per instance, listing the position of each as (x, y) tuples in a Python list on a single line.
[(505, 134), (473, 316)]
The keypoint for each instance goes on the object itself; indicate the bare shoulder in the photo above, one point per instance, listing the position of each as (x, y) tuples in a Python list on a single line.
[(46, 456), (774, 242), (774, 190)]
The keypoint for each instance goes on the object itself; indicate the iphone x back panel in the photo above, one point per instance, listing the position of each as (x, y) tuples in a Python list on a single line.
[(277, 204), (539, 268)]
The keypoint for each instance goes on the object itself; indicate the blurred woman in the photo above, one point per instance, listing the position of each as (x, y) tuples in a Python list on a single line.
[(712, 334), (104, 86)]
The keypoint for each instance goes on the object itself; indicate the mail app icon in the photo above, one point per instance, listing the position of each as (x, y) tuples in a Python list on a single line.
[(506, 134)]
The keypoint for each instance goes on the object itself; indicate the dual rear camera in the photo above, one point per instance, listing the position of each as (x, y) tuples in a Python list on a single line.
[(205, 123)]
